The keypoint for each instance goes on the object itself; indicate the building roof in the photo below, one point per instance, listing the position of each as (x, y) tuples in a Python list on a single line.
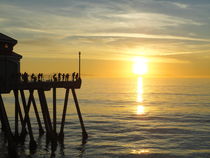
[(5, 38), (17, 55), (11, 54)]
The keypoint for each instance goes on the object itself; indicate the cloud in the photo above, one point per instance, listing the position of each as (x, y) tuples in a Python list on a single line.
[(106, 27), (135, 35), (181, 5)]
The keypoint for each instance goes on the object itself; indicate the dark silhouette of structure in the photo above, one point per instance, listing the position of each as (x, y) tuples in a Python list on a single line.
[(12, 80), (9, 63)]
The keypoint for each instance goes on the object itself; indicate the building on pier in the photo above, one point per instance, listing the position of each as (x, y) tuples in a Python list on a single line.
[(9, 63)]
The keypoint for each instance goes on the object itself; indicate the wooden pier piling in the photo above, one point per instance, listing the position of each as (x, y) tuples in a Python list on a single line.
[(16, 113), (54, 112), (61, 134), (41, 130), (84, 133), (46, 115), (8, 133)]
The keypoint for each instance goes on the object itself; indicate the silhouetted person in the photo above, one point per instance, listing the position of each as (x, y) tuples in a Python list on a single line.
[(59, 76), (54, 78), (73, 76), (38, 76), (77, 76), (18, 76), (35, 78), (25, 77), (67, 77), (41, 76), (22, 77), (32, 77), (63, 76)]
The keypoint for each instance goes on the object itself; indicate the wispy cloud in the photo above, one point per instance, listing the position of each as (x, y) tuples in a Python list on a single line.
[(181, 5)]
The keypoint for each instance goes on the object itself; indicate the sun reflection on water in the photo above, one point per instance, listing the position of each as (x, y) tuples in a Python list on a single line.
[(142, 151), (140, 91), (140, 108)]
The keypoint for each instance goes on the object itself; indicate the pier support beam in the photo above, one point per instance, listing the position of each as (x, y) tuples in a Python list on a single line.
[(41, 130), (46, 116), (54, 111), (61, 134), (16, 93), (2, 122), (11, 142), (16, 113), (84, 133), (26, 108)]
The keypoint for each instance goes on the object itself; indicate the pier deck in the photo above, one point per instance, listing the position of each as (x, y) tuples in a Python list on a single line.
[(47, 85)]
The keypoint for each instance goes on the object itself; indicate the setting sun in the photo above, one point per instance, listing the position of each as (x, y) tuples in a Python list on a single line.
[(140, 66)]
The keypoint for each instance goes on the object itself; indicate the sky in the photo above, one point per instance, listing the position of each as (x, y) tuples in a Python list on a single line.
[(174, 35)]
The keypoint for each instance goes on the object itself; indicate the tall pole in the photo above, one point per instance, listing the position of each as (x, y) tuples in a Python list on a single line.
[(79, 64)]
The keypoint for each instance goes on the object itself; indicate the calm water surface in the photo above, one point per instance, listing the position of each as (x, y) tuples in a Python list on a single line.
[(139, 117)]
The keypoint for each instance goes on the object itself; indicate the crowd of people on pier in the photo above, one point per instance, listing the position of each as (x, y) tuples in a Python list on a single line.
[(56, 77)]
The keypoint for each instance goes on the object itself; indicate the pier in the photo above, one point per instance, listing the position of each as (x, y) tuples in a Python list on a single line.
[(13, 81)]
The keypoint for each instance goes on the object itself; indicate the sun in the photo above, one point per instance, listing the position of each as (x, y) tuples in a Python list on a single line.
[(140, 66)]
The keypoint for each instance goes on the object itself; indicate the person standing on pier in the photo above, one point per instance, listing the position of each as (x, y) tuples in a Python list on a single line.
[(63, 76), (59, 76), (18, 76), (54, 78), (25, 77), (32, 77), (35, 78), (41, 76), (73, 76), (67, 77), (77, 76)]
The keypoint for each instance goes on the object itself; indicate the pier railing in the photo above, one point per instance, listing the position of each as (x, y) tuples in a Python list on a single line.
[(26, 81), (52, 77)]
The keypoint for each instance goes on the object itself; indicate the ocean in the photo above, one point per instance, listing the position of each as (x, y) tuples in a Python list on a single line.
[(128, 118)]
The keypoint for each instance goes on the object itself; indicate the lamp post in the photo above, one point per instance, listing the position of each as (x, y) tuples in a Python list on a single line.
[(79, 64)]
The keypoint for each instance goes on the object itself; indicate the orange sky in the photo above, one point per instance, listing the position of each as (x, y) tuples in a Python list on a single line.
[(173, 35)]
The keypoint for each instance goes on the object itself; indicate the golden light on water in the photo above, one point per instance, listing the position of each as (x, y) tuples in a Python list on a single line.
[(140, 110), (140, 91), (142, 151), (140, 66)]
